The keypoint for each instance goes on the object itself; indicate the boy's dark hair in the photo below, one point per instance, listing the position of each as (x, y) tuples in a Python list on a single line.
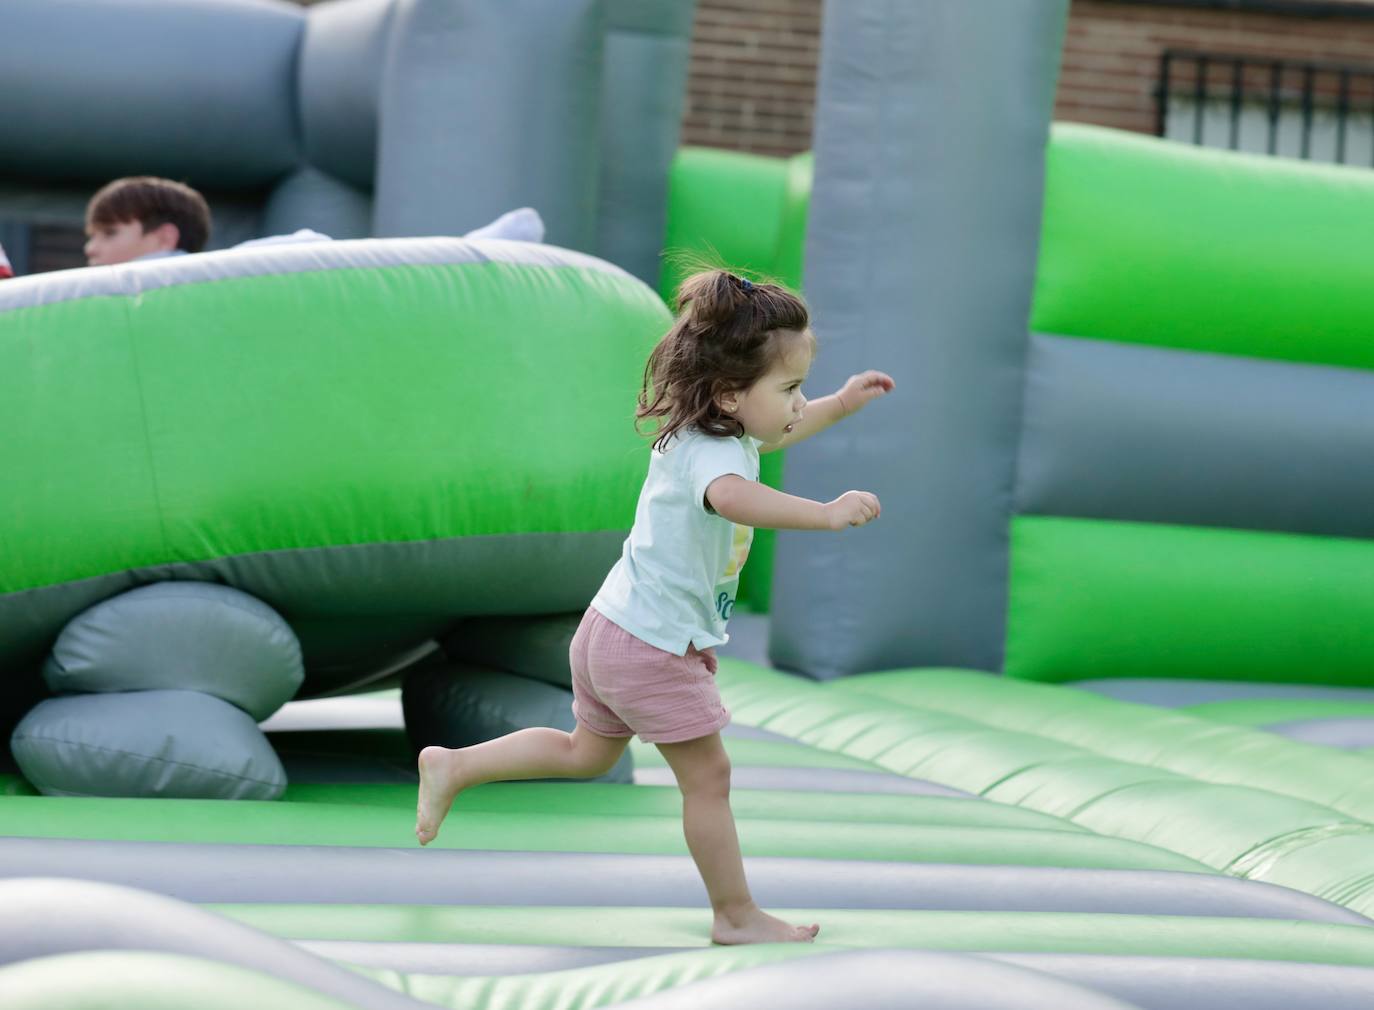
[(152, 202), (726, 336)]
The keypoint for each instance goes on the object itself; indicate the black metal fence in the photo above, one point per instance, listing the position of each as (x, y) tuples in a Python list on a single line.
[(1319, 111)]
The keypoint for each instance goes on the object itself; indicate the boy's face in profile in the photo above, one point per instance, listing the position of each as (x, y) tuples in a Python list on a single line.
[(107, 244)]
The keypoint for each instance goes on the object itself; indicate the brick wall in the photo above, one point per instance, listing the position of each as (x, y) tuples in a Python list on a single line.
[(752, 77)]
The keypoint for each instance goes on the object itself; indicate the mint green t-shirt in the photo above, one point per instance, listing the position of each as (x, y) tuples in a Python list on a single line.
[(678, 573)]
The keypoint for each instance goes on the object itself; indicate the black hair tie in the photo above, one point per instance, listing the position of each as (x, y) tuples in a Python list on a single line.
[(746, 284)]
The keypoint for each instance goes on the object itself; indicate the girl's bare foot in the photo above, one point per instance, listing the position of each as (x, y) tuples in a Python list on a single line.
[(440, 782), (753, 925)]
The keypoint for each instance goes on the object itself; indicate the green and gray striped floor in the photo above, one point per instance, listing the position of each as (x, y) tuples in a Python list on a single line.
[(964, 840)]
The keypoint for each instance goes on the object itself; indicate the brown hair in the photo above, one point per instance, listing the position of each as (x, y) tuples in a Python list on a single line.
[(726, 336), (153, 202)]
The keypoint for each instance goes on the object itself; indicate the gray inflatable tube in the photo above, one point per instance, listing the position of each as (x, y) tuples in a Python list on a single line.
[(296, 873)]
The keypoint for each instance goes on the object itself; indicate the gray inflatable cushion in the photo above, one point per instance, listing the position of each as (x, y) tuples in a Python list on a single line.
[(146, 743), (534, 647), (455, 705), (181, 636)]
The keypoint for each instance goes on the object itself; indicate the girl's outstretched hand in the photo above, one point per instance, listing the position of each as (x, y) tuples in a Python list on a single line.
[(864, 388), (853, 508)]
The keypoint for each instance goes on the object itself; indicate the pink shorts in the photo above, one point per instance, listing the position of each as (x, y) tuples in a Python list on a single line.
[(623, 686)]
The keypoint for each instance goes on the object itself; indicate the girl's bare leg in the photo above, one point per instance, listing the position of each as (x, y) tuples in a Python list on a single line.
[(525, 754), (703, 774)]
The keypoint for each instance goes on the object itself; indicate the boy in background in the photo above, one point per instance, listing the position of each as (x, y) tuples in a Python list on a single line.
[(143, 217)]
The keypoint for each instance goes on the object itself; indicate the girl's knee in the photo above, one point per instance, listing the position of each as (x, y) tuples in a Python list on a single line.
[(709, 776), (600, 764), (592, 758)]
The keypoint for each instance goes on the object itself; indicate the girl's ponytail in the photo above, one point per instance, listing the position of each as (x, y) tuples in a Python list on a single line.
[(713, 297)]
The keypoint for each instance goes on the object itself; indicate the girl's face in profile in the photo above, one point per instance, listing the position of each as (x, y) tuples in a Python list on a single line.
[(772, 405)]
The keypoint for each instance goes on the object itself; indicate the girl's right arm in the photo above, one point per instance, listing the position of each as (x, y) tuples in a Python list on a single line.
[(750, 503)]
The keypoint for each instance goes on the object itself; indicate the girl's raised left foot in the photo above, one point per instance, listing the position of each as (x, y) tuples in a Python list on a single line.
[(440, 781), (754, 925)]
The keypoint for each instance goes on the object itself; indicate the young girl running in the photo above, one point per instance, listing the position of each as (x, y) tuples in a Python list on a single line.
[(725, 385)]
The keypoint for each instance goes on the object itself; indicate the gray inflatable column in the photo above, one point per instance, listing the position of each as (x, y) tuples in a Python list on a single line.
[(486, 107), (931, 125), (642, 96)]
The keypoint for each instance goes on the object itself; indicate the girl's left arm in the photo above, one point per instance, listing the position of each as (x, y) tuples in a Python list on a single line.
[(853, 396)]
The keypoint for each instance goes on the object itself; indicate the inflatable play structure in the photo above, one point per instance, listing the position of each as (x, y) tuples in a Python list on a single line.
[(356, 118), (1086, 721)]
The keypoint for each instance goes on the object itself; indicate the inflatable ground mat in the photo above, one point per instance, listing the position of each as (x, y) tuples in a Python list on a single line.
[(964, 841)]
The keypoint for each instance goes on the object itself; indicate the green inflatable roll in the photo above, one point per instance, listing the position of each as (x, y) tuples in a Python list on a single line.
[(373, 437)]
